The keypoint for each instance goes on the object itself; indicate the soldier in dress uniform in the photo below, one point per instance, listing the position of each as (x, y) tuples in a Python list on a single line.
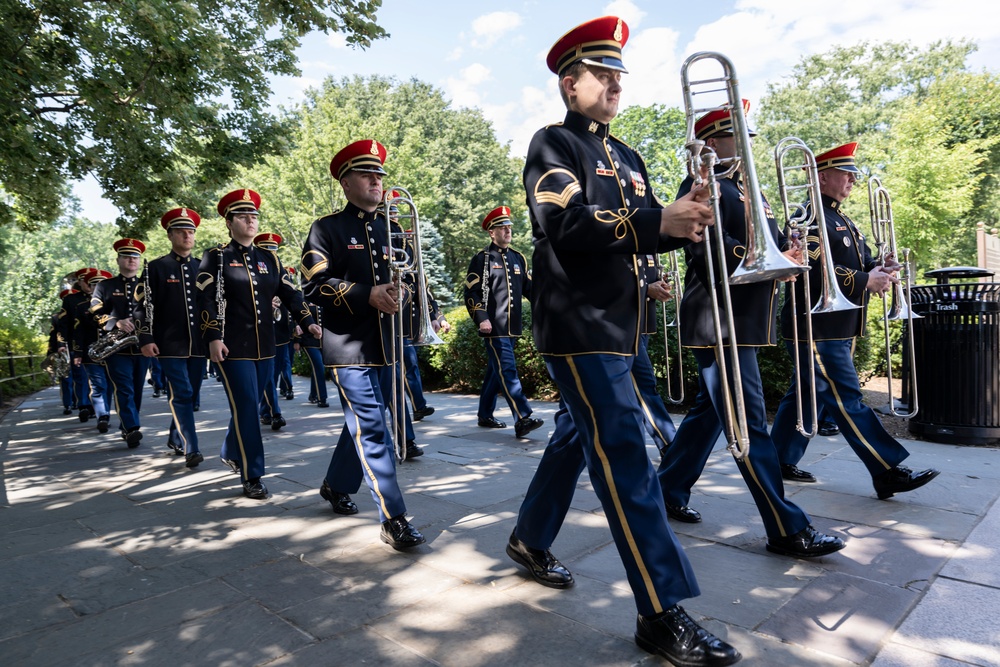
[(788, 527), (283, 358), (167, 314), (346, 264), (497, 279), (85, 333), (66, 322), (313, 348), (237, 282), (58, 346), (659, 425), (270, 410), (592, 214), (111, 306), (858, 275)]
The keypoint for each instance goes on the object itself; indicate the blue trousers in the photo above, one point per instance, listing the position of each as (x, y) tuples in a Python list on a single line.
[(127, 373), (66, 391), (156, 374), (242, 379), (658, 422), (283, 366), (414, 385), (365, 448), (501, 377), (81, 390), (183, 377), (99, 396), (269, 391), (317, 389), (599, 425), (839, 394), (685, 459)]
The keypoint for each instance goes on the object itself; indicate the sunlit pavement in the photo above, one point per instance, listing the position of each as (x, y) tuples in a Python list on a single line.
[(116, 556)]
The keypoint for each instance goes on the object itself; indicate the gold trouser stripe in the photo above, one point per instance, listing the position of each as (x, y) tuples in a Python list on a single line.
[(613, 492), (503, 382), (649, 413), (748, 463), (173, 413), (114, 392), (236, 420), (840, 404), (359, 448)]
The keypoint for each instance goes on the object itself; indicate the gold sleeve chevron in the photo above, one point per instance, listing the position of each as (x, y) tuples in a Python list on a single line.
[(556, 186), (471, 280), (204, 280), (815, 252), (313, 261)]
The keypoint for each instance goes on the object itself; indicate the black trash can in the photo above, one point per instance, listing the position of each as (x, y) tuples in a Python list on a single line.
[(957, 352)]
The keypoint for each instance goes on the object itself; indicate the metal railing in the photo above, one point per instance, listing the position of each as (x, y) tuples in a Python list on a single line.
[(11, 368)]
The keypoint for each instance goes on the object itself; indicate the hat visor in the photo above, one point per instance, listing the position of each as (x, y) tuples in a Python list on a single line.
[(503, 223), (369, 170), (849, 168), (606, 62)]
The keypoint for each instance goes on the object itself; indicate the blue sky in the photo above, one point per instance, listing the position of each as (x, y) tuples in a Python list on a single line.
[(491, 55)]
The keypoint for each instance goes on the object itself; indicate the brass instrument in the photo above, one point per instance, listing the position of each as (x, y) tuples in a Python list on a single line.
[(884, 235), (110, 343), (405, 260), (672, 276), (802, 221), (60, 363), (763, 260)]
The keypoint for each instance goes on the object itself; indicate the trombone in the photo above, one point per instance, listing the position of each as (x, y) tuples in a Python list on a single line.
[(762, 260), (884, 235), (801, 221), (672, 276), (405, 262)]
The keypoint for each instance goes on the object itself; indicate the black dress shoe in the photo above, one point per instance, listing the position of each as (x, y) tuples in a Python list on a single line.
[(807, 543), (542, 565), (255, 489), (84, 415), (67, 411), (525, 425), (193, 459), (312, 400), (132, 437), (103, 423), (322, 404), (277, 423), (233, 465), (683, 513), (342, 503), (289, 396), (178, 450), (900, 479), (156, 393), (265, 420), (675, 636), (399, 534), (491, 422), (412, 451), (196, 408), (828, 429), (426, 411), (794, 474)]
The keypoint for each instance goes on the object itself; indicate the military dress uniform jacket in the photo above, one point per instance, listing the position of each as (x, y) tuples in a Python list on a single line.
[(755, 305), (852, 261), (592, 212), (284, 328), (652, 273), (85, 332), (66, 319), (307, 339), (114, 300), (251, 277), (174, 297), (345, 256), (507, 279)]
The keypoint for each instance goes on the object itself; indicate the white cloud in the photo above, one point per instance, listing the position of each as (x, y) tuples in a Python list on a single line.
[(489, 28), (654, 71), (518, 120), (337, 40), (463, 89), (627, 10)]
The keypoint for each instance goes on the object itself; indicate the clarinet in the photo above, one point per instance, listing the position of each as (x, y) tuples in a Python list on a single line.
[(147, 298), (220, 296)]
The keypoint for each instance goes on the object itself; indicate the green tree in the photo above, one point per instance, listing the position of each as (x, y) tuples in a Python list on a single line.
[(160, 100), (657, 133)]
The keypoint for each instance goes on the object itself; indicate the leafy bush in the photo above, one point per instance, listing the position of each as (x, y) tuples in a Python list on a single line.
[(16, 340)]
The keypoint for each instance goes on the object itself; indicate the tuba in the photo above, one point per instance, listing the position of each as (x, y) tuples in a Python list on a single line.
[(763, 260), (801, 222)]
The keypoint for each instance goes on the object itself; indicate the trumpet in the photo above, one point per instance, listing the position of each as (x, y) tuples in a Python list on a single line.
[(762, 261), (801, 221), (884, 235), (405, 261), (672, 276)]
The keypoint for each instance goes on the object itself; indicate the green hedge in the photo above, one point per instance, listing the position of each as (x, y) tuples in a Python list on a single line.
[(18, 340)]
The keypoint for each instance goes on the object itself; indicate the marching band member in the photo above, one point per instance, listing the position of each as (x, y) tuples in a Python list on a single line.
[(111, 306), (86, 333), (498, 278), (858, 274), (313, 348), (346, 264), (167, 316), (659, 425), (237, 282), (270, 411), (591, 213), (285, 351), (66, 322)]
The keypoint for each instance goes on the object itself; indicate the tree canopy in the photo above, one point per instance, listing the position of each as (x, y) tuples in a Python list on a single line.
[(161, 101)]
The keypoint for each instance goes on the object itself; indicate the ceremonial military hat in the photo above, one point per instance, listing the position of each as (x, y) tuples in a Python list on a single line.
[(66, 292), (497, 217), (268, 241), (291, 270), (366, 155), (718, 123), (180, 218), (81, 274), (239, 201), (598, 42), (841, 157), (129, 247), (390, 195), (97, 275)]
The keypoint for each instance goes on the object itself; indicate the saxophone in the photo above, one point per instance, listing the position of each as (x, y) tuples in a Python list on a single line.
[(111, 342)]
